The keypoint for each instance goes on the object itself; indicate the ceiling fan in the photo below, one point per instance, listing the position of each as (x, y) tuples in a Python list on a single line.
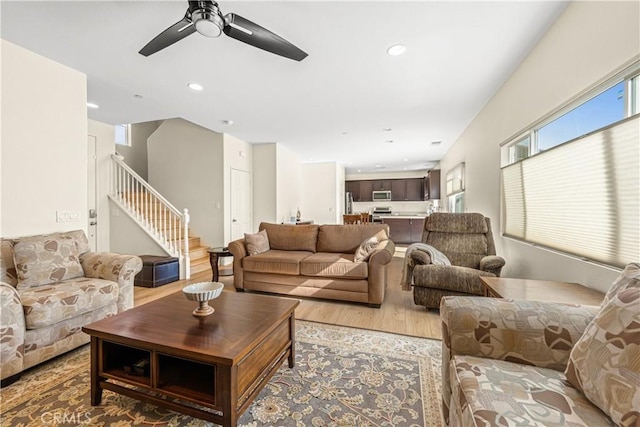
[(205, 17)]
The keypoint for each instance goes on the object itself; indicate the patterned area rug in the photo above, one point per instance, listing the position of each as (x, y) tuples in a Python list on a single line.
[(343, 377)]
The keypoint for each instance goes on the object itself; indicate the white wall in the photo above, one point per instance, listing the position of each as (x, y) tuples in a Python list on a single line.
[(44, 144), (264, 184), (128, 238), (321, 197), (289, 183), (186, 167), (237, 155), (588, 42)]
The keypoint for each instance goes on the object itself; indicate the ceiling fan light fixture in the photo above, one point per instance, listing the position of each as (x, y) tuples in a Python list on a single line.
[(396, 49), (208, 23)]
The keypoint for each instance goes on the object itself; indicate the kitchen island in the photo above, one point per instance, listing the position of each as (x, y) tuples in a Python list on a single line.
[(405, 228)]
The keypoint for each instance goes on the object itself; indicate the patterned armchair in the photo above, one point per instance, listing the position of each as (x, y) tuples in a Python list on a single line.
[(50, 286), (528, 363), (467, 241)]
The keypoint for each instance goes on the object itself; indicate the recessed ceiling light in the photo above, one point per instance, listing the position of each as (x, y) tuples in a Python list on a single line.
[(344, 133), (92, 105), (227, 122), (389, 141), (386, 129), (138, 96), (195, 86), (436, 142), (359, 170), (396, 49), (406, 160)]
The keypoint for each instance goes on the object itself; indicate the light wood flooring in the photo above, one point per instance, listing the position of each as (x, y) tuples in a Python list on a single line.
[(398, 313)]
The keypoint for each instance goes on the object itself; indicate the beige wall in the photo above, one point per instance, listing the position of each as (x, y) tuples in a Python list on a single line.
[(264, 185), (289, 183), (44, 144), (135, 156), (186, 167), (588, 42), (323, 190)]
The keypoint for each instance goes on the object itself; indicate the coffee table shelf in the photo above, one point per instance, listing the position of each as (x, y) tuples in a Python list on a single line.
[(186, 379)]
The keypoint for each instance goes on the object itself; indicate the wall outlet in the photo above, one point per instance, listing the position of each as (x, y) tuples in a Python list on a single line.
[(67, 216)]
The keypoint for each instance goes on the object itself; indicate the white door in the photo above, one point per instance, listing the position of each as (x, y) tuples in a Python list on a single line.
[(240, 203), (92, 226)]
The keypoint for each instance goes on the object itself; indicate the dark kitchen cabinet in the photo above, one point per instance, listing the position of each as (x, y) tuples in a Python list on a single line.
[(366, 188), (432, 185), (414, 189), (410, 189), (398, 189), (381, 184), (353, 187), (405, 230)]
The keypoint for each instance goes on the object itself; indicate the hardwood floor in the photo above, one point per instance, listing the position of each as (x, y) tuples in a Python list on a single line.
[(398, 313)]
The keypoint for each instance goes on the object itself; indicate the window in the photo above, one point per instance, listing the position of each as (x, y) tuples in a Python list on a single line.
[(572, 180), (123, 134), (598, 112), (581, 198), (609, 103), (455, 189)]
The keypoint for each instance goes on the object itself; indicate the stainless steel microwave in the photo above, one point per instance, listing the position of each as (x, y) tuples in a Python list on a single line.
[(381, 196)]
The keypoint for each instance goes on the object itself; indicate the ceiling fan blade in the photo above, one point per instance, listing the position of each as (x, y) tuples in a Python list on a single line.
[(253, 34), (174, 33)]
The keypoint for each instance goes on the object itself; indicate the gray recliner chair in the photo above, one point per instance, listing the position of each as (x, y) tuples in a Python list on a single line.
[(467, 241)]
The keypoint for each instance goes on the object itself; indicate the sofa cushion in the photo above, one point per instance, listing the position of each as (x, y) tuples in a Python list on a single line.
[(488, 392), (256, 243), (345, 239), (290, 237), (275, 261), (606, 359), (323, 264), (41, 260), (45, 305)]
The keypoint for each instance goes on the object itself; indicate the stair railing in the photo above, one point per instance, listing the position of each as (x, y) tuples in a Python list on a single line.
[(162, 221)]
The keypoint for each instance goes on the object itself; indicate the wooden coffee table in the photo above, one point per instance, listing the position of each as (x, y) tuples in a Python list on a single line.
[(219, 362), (540, 290)]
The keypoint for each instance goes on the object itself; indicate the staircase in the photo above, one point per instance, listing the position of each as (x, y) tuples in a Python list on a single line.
[(141, 205), (165, 224)]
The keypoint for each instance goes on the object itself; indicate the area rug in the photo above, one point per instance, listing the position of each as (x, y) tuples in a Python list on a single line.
[(343, 377)]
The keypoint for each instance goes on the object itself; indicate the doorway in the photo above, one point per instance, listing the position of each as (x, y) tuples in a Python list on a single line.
[(240, 203), (92, 190)]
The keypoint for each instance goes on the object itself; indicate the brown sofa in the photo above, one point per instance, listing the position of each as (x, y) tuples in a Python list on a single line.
[(316, 261)]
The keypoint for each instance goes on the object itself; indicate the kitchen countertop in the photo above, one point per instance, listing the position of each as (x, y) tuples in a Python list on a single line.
[(404, 216)]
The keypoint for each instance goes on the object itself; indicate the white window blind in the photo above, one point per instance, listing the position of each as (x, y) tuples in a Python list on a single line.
[(581, 197), (455, 180)]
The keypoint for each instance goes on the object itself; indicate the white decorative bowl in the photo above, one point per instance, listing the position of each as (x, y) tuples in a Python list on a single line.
[(203, 292)]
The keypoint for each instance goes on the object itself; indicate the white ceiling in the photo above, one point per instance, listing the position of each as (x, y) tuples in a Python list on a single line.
[(332, 106)]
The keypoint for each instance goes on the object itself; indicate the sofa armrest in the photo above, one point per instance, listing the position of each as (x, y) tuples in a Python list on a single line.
[(383, 254), (239, 251), (12, 331), (419, 257), (492, 264), (118, 268), (528, 332)]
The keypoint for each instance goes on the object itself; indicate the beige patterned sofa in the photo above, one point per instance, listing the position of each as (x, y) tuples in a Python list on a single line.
[(527, 363), (317, 261), (50, 286)]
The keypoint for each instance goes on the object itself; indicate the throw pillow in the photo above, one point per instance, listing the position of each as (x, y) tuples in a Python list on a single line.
[(367, 247), (256, 243), (40, 261), (630, 278), (605, 362)]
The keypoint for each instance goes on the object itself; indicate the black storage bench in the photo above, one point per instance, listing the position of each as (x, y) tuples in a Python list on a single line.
[(157, 271)]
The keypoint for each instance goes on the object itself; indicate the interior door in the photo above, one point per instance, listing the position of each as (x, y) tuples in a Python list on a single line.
[(240, 203), (92, 226)]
